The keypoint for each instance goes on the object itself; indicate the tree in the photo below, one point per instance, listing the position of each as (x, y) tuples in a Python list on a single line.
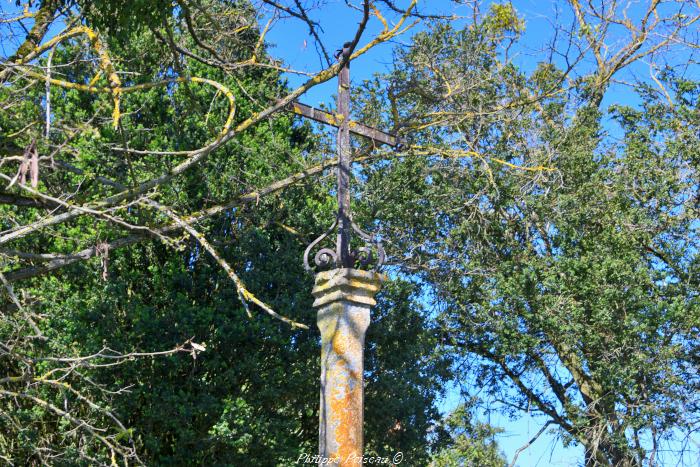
[(472, 444), (563, 262), (151, 354)]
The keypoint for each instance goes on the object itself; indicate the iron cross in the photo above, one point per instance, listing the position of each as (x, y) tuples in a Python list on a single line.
[(343, 256)]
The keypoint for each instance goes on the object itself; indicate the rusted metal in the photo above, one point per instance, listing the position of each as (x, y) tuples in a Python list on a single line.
[(364, 256), (377, 136), (343, 297), (344, 151), (344, 256)]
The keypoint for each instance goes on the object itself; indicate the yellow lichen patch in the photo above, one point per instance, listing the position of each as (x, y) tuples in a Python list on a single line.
[(117, 92), (115, 84), (340, 343), (105, 65)]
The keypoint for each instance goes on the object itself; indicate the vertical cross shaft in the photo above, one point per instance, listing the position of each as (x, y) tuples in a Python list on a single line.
[(344, 163)]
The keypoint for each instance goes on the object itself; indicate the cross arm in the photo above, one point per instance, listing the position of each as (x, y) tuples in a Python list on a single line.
[(376, 135)]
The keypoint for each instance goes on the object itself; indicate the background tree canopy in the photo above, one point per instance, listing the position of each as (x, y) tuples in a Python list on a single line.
[(157, 198)]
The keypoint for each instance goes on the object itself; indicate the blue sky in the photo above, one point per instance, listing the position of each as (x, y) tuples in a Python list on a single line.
[(289, 40)]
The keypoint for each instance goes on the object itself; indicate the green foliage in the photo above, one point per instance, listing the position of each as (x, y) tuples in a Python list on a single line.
[(403, 375), (570, 290), (123, 17), (250, 398), (472, 444), (503, 18)]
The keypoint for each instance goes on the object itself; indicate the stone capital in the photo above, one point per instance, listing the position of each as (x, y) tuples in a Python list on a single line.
[(347, 285)]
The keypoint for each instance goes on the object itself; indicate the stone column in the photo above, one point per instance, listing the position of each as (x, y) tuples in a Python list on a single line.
[(344, 298)]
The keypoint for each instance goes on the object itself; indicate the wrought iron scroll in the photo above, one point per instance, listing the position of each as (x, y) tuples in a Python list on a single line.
[(371, 256)]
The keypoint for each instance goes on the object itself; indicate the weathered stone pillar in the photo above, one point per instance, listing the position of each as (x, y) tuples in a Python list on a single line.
[(343, 297)]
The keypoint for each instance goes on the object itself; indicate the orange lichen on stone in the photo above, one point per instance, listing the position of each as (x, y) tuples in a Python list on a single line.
[(344, 298), (346, 413)]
